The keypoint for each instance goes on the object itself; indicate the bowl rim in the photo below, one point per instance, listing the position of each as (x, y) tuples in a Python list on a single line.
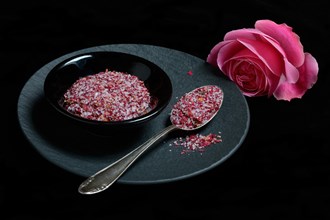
[(136, 120)]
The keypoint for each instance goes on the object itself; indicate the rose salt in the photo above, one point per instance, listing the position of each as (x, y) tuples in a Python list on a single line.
[(108, 96), (193, 110), (197, 107), (197, 142)]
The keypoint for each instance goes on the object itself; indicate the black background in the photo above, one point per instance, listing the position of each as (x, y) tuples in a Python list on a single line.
[(281, 171)]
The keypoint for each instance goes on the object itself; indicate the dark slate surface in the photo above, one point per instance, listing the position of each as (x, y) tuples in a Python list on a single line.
[(281, 171)]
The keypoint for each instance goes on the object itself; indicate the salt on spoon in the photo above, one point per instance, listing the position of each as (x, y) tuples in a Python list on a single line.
[(192, 111)]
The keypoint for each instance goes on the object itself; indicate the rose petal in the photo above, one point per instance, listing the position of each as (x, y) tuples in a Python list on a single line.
[(247, 76), (254, 34), (213, 55), (234, 66), (246, 33), (288, 40), (228, 51), (310, 70), (272, 59), (308, 77), (291, 72)]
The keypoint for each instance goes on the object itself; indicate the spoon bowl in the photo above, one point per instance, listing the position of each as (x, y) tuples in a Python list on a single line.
[(196, 108), (192, 111)]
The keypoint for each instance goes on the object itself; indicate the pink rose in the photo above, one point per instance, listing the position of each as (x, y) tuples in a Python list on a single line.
[(266, 60)]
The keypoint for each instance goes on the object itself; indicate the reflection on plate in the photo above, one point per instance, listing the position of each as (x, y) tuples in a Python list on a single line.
[(83, 153)]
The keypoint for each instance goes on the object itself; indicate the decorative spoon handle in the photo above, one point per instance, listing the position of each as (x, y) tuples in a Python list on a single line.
[(108, 175)]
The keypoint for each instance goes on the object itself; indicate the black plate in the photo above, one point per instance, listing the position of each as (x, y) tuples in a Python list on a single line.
[(84, 153)]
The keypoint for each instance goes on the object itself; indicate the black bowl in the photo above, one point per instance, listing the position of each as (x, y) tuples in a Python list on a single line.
[(63, 75)]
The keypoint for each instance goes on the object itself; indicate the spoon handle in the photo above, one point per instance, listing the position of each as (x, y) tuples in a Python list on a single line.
[(108, 175)]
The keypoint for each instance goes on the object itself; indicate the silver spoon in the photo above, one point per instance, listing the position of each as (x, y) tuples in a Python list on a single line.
[(192, 111)]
